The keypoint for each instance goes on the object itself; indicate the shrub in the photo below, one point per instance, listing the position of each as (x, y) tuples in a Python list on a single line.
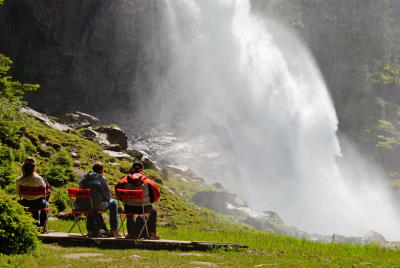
[(18, 234), (62, 158), (61, 200), (6, 158), (60, 170), (56, 176)]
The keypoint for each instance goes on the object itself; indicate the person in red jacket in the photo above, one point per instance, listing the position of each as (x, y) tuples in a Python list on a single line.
[(137, 180)]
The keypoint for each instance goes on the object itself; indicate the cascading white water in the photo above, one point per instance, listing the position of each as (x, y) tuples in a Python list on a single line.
[(258, 83)]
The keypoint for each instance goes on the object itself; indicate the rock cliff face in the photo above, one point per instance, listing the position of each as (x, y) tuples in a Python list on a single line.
[(85, 54)]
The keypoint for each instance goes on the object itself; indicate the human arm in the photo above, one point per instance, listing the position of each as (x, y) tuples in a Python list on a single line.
[(106, 189)]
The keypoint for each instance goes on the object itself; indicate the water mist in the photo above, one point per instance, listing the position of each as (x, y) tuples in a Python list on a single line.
[(249, 96)]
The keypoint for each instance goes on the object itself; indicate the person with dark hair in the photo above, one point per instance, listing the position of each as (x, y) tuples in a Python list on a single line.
[(31, 178), (101, 200), (137, 180)]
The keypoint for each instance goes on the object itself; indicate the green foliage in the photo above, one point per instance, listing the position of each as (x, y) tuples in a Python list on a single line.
[(62, 158), (386, 125), (154, 175), (11, 123), (390, 74), (18, 234), (6, 158), (12, 90), (60, 171), (60, 199)]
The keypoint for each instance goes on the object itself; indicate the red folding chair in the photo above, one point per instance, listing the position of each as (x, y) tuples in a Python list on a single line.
[(132, 194), (35, 190), (81, 193)]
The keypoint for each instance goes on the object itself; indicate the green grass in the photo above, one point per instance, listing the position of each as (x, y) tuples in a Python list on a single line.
[(264, 249)]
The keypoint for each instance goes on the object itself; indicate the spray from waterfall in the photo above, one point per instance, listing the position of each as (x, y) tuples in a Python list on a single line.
[(249, 95)]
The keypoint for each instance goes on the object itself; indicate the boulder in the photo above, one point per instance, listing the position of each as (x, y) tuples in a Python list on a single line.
[(89, 134), (47, 120), (77, 119), (111, 136), (134, 153), (148, 164), (218, 185), (373, 236), (199, 179), (117, 154), (214, 200)]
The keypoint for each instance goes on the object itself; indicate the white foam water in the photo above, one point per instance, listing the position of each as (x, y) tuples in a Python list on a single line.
[(268, 111)]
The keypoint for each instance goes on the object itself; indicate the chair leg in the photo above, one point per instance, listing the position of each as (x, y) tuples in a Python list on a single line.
[(144, 226), (122, 220), (47, 220), (76, 222)]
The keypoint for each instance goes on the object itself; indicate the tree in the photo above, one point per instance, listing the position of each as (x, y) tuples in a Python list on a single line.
[(13, 91)]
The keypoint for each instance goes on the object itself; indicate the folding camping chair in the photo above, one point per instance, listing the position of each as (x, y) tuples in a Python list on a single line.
[(35, 190), (132, 194), (81, 193)]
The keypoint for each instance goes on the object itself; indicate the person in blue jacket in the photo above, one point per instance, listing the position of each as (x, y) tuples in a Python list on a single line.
[(101, 200)]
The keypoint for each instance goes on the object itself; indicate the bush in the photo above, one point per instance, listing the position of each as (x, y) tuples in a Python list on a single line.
[(60, 170), (56, 176), (18, 234), (62, 158), (6, 158), (61, 200)]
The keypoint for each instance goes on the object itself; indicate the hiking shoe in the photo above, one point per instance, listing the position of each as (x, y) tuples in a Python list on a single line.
[(130, 236), (116, 234), (154, 236), (91, 234)]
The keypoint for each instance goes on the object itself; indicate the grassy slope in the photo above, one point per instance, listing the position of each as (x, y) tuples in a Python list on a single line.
[(189, 222)]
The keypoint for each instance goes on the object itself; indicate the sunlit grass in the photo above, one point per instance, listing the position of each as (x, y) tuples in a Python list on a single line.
[(264, 248)]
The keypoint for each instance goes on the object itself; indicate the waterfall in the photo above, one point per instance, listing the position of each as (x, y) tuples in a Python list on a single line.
[(249, 104)]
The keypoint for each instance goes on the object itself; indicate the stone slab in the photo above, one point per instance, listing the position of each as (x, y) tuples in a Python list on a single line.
[(64, 239)]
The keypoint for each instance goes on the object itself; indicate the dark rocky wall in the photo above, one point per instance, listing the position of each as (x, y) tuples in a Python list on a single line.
[(90, 55)]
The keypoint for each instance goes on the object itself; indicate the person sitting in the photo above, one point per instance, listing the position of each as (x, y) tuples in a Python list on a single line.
[(101, 200), (137, 180), (31, 178)]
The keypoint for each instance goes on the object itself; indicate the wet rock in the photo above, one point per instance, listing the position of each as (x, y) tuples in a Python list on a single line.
[(111, 136), (218, 185), (89, 133), (117, 154), (182, 179), (47, 120), (148, 164), (164, 174), (214, 200), (134, 153), (199, 179), (111, 147), (373, 236), (77, 119)]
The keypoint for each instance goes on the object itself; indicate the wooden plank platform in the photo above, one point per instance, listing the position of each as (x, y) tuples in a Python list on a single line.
[(64, 239)]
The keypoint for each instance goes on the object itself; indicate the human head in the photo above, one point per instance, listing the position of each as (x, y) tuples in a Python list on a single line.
[(29, 166), (98, 167), (137, 167)]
